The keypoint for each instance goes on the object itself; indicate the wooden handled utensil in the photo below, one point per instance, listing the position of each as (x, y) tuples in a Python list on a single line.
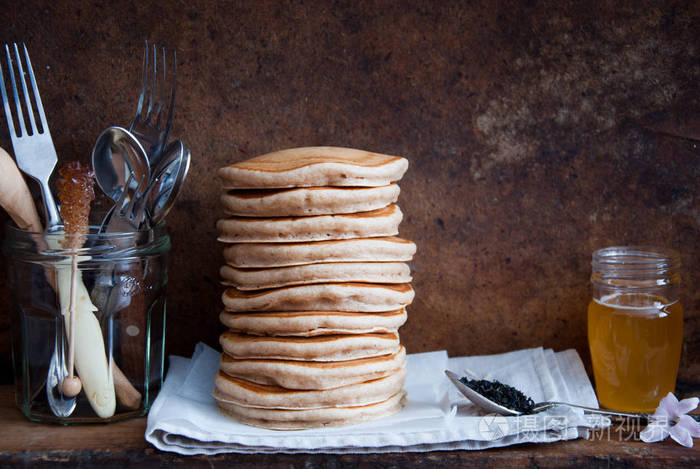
[(16, 199)]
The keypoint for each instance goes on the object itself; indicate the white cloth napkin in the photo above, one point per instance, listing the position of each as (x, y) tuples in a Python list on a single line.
[(184, 417)]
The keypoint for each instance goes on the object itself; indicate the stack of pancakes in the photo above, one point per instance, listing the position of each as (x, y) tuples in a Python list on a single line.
[(317, 288)]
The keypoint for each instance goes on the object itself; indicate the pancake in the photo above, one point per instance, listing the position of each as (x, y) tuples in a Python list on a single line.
[(250, 255), (307, 201), (246, 393), (293, 374), (312, 323), (278, 419), (371, 272), (354, 297), (382, 222), (313, 167), (324, 348)]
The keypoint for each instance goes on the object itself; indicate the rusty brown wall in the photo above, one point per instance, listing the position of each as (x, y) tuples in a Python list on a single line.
[(537, 132)]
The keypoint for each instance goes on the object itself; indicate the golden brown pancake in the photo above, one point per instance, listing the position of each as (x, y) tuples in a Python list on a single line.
[(279, 419), (249, 394), (334, 272), (389, 249), (313, 167), (323, 348), (354, 297), (295, 374), (307, 201), (311, 323), (381, 222)]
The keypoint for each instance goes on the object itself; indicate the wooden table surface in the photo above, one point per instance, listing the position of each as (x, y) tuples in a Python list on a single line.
[(122, 444)]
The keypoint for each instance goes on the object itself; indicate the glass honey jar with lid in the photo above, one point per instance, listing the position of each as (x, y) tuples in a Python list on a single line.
[(635, 326)]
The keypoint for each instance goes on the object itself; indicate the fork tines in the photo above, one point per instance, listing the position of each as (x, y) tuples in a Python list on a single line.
[(20, 113), (154, 111), (153, 88), (33, 147)]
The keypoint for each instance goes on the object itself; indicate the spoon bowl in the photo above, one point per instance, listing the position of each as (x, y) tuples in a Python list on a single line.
[(166, 178), (164, 174), (168, 186), (60, 404), (488, 405), (117, 154), (478, 399)]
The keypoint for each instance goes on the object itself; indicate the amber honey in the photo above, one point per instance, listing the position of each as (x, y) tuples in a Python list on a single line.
[(635, 343), (635, 325)]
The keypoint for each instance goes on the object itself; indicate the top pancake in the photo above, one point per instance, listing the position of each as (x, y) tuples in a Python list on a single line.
[(314, 166)]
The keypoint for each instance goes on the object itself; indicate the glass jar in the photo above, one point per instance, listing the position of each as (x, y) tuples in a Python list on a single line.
[(635, 326), (119, 322)]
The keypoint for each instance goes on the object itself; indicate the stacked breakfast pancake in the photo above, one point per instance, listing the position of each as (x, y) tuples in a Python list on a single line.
[(317, 285)]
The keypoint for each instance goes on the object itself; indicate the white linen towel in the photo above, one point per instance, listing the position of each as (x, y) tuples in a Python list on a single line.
[(184, 417)]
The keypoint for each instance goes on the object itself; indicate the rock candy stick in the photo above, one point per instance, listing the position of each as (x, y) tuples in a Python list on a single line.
[(86, 345)]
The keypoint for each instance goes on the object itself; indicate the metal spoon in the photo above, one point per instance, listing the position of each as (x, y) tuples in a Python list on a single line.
[(170, 173), (117, 154), (60, 405), (478, 399), (16, 199), (163, 177), (168, 181), (164, 168), (123, 172), (488, 405)]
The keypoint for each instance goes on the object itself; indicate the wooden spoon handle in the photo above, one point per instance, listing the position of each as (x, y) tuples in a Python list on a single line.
[(127, 395), (15, 196)]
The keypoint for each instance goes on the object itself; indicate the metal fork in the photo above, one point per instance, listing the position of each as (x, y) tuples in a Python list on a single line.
[(154, 116), (34, 151)]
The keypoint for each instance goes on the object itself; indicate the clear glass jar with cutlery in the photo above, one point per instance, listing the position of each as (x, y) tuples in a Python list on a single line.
[(119, 322)]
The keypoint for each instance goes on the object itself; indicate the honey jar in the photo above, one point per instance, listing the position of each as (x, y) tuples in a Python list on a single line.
[(635, 326)]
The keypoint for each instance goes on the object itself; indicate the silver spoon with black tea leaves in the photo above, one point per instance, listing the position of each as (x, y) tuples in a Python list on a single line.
[(505, 408)]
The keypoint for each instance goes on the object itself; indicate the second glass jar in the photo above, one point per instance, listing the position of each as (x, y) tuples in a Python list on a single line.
[(635, 326)]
